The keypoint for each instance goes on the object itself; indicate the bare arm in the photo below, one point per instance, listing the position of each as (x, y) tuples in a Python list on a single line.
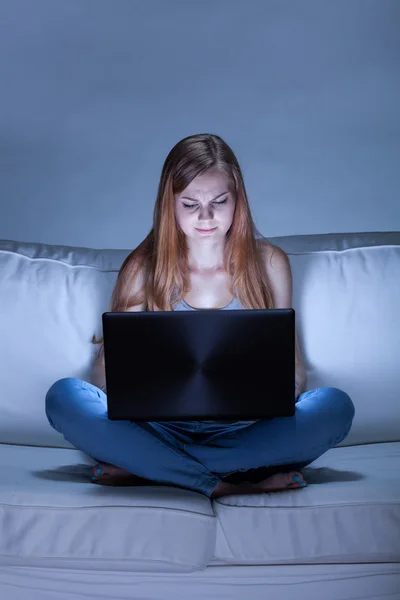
[(280, 276), (98, 372), (98, 377)]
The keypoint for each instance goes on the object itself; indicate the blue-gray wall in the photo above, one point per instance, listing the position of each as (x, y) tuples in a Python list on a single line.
[(94, 93)]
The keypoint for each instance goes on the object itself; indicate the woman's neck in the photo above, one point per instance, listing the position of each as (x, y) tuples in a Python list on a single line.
[(206, 257)]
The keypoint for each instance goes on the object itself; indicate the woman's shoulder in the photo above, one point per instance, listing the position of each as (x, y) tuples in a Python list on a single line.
[(132, 284), (271, 253), (133, 274)]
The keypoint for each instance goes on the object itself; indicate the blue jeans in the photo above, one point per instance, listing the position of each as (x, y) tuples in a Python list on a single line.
[(196, 455)]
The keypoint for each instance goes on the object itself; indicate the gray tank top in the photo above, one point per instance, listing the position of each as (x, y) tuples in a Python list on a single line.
[(233, 305)]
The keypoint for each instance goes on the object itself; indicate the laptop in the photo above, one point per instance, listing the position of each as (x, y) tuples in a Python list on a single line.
[(200, 365)]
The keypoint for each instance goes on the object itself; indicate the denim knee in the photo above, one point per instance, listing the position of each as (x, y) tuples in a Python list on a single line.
[(342, 405), (55, 393)]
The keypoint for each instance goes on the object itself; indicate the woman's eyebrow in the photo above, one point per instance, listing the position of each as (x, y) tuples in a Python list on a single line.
[(194, 200)]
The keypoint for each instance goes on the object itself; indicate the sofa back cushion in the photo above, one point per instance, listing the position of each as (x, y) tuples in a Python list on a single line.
[(346, 294)]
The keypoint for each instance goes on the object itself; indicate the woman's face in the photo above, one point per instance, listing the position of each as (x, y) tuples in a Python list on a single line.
[(204, 210)]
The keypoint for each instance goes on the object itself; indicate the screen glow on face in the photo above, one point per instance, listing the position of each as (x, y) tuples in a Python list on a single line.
[(205, 208)]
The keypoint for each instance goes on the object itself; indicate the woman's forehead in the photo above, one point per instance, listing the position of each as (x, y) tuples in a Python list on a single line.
[(212, 183)]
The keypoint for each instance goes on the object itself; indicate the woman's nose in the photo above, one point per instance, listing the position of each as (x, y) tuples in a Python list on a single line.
[(205, 213)]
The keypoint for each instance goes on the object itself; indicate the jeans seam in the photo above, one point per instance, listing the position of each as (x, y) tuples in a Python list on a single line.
[(191, 464), (211, 486), (174, 450)]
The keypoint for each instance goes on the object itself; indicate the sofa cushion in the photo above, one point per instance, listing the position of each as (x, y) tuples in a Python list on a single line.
[(346, 295), (50, 307), (52, 515), (349, 513)]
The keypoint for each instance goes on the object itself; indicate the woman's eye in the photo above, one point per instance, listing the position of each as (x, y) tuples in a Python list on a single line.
[(195, 205)]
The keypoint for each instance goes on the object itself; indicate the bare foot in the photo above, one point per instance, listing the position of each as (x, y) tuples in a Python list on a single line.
[(275, 483), (106, 474)]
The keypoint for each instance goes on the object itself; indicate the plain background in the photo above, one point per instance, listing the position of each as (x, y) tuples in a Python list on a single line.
[(94, 94)]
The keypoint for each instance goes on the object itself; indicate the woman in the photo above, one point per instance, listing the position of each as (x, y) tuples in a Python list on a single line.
[(203, 252)]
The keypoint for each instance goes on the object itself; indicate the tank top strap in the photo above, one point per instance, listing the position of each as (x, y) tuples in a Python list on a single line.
[(233, 305)]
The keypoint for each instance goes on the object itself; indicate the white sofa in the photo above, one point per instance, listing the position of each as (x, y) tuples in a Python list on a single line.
[(63, 538)]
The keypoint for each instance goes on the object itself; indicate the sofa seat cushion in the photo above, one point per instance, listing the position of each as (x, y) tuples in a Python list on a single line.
[(51, 514), (349, 513)]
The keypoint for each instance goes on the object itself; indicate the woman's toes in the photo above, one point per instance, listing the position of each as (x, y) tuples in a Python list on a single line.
[(104, 471), (282, 481), (295, 479), (110, 475), (107, 474), (97, 471)]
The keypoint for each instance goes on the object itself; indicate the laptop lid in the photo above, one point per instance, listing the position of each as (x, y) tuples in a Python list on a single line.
[(200, 365)]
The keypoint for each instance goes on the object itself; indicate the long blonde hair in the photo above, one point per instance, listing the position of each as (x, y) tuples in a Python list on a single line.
[(161, 258)]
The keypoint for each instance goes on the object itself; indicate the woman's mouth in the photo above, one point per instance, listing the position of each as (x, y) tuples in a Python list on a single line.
[(205, 230)]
